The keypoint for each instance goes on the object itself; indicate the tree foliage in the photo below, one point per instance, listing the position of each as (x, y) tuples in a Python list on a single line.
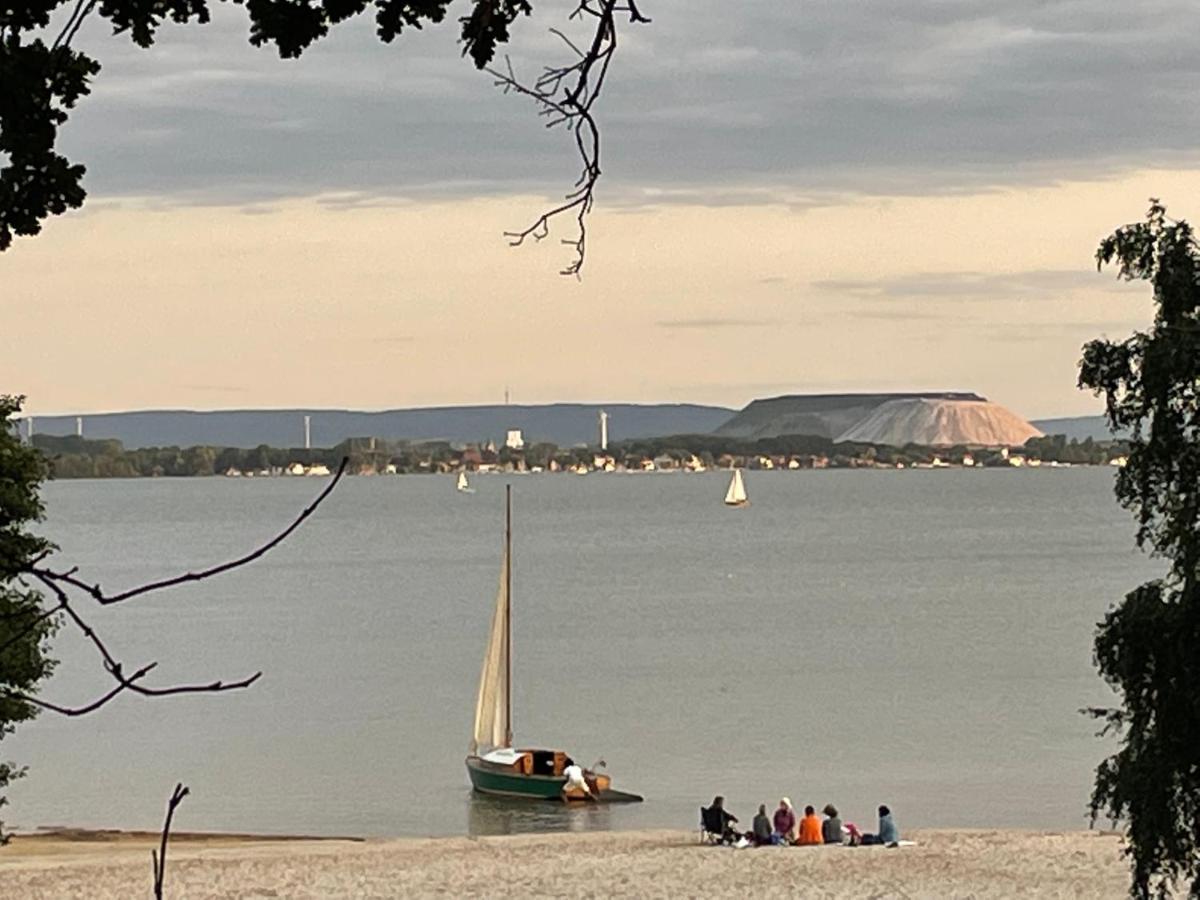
[(41, 82), (1148, 647), (24, 625)]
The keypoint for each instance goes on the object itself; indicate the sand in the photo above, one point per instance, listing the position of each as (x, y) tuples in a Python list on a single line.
[(944, 864)]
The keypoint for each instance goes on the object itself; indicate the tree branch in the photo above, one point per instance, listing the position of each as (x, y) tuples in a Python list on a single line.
[(565, 95), (58, 582), (97, 593), (159, 860)]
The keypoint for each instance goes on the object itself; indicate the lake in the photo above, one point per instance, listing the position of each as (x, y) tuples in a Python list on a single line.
[(915, 638)]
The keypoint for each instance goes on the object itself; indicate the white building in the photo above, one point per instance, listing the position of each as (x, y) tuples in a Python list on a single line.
[(515, 440)]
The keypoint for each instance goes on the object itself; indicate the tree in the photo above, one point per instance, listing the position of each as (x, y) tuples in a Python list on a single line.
[(1148, 647), (25, 627), (40, 83)]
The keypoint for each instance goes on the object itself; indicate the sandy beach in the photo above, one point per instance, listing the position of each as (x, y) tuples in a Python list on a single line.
[(944, 864)]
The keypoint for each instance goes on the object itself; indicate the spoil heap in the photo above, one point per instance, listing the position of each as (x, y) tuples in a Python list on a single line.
[(940, 423)]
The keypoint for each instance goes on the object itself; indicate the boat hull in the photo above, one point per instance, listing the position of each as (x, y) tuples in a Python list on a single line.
[(502, 781)]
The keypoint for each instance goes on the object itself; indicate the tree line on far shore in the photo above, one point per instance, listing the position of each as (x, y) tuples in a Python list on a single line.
[(77, 457)]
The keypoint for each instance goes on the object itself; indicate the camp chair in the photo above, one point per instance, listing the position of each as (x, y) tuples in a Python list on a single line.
[(712, 829)]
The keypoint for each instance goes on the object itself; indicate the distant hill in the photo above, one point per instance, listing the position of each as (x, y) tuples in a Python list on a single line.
[(823, 415), (1078, 427), (560, 423)]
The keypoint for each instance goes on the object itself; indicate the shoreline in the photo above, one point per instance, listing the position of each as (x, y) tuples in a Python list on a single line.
[(645, 863)]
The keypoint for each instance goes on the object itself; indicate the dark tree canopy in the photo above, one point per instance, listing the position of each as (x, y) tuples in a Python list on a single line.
[(41, 82), (1148, 647), (25, 626)]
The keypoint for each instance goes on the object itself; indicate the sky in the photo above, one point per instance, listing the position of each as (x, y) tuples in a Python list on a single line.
[(797, 197)]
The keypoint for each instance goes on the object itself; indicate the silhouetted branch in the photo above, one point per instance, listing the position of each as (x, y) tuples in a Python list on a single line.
[(58, 582), (82, 10), (565, 96), (159, 859), (98, 594)]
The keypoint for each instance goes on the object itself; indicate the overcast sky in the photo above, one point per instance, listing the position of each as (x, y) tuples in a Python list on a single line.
[(797, 196)]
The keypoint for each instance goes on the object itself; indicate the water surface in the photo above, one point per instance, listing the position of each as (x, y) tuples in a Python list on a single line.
[(916, 638)]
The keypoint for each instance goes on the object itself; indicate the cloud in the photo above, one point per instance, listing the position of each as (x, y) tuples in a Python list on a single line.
[(768, 102), (1029, 284), (709, 324)]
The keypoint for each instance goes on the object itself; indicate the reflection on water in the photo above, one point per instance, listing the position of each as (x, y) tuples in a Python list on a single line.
[(497, 815)]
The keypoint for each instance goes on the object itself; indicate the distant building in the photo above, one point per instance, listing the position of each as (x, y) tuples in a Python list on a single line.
[(603, 431), (515, 440)]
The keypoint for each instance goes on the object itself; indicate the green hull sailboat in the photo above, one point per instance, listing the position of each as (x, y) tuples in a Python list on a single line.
[(494, 765)]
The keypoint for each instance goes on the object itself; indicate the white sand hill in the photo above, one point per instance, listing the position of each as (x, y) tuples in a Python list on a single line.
[(941, 423)]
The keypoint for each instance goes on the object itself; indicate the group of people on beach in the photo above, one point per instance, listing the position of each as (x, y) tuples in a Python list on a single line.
[(785, 828)]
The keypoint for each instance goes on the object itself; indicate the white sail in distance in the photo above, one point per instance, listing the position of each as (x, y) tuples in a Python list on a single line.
[(736, 495), (492, 726), (462, 481)]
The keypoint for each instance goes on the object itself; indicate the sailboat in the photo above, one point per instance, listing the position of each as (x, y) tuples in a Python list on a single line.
[(464, 485), (494, 765), (736, 495)]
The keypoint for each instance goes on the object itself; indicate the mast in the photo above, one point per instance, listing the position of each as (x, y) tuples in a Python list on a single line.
[(508, 732)]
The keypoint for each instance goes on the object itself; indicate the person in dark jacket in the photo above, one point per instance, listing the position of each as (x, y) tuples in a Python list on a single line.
[(831, 828), (721, 821), (762, 827)]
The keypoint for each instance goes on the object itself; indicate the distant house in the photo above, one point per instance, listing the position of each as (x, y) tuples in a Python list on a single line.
[(515, 440)]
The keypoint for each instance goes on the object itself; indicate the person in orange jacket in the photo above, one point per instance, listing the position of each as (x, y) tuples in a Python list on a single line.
[(810, 828)]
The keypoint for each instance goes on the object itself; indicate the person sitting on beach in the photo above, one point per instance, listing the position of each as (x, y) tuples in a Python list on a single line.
[(724, 820), (888, 832), (831, 828), (785, 822), (810, 828), (762, 828)]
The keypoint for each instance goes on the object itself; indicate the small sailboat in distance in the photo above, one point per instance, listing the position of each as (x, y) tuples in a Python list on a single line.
[(736, 495), (463, 485), (494, 765)]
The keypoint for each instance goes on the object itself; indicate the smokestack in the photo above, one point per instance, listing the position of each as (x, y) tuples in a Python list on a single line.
[(603, 430), (308, 432), (79, 426)]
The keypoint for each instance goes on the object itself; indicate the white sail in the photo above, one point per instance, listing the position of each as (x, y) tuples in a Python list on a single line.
[(491, 707), (736, 495), (462, 481)]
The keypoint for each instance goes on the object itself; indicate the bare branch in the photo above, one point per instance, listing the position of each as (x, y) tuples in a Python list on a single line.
[(82, 10), (565, 95), (159, 859), (97, 593), (72, 711)]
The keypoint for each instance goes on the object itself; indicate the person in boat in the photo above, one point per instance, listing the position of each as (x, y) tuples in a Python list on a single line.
[(785, 822), (576, 780), (888, 832), (721, 821), (810, 829), (831, 828), (763, 833)]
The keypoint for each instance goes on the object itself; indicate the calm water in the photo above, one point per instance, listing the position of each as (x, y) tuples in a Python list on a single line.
[(918, 638)]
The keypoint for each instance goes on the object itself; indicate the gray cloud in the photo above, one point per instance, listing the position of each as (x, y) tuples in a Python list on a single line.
[(798, 103), (1030, 284)]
